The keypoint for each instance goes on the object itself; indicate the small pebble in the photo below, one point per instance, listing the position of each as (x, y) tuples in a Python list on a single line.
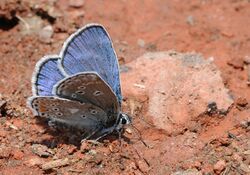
[(3, 133), (46, 33), (143, 166), (128, 130), (55, 163), (245, 168), (207, 169), (92, 152), (17, 154), (247, 59), (4, 152), (237, 157), (197, 164), (219, 166), (141, 42), (86, 146), (34, 161), (10, 125), (187, 172), (132, 165), (245, 124), (246, 152), (41, 150), (190, 20), (242, 102), (76, 3)]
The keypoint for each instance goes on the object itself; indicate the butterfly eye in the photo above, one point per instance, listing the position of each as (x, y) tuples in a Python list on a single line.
[(124, 121)]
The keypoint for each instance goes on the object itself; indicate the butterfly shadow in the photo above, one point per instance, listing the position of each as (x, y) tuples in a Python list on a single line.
[(72, 137)]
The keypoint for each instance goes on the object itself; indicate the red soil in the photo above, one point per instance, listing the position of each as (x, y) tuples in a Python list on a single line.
[(210, 144)]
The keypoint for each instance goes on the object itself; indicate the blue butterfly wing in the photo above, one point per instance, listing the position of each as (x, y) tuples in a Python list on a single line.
[(91, 49), (45, 76)]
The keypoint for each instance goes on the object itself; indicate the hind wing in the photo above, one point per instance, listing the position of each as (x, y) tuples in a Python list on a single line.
[(46, 75)]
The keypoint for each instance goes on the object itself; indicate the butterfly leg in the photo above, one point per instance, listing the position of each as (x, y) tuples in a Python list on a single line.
[(98, 138), (105, 132), (90, 135)]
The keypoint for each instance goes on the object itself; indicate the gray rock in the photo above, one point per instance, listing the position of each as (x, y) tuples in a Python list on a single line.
[(179, 87), (41, 150), (46, 33)]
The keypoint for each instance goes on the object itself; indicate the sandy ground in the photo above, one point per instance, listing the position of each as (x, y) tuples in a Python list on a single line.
[(209, 144)]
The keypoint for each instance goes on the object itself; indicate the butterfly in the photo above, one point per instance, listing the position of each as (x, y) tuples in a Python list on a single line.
[(80, 87)]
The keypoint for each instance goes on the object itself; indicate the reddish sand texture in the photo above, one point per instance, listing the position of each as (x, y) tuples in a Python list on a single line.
[(182, 135)]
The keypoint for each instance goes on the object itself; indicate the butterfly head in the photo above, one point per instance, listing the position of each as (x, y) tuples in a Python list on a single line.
[(124, 119)]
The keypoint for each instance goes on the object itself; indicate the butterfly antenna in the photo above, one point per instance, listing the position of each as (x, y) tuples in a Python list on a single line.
[(139, 134)]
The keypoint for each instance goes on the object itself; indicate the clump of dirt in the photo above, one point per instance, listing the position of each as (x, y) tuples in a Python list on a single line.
[(210, 143)]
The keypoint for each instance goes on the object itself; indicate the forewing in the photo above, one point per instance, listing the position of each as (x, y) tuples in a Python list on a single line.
[(84, 116), (91, 49), (89, 88), (45, 76)]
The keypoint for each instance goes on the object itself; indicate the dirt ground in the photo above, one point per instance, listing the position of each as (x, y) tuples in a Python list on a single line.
[(209, 144)]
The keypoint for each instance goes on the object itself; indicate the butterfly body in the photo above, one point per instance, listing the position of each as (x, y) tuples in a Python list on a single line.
[(80, 88)]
